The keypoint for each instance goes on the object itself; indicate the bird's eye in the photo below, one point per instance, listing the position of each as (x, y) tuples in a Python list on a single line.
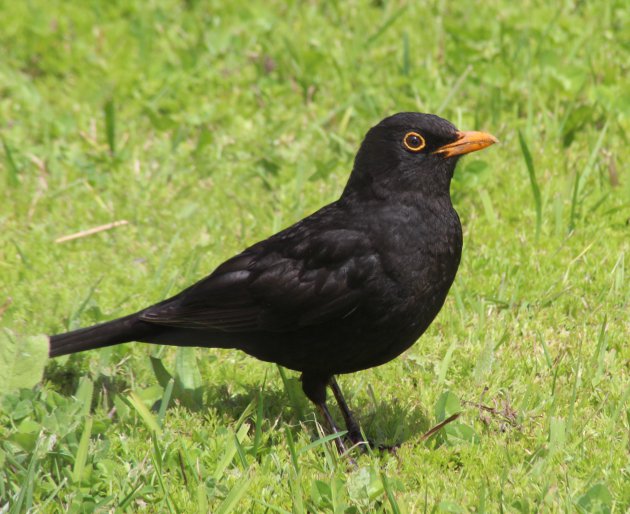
[(413, 142)]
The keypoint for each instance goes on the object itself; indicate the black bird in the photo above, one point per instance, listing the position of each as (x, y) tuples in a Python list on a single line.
[(349, 287)]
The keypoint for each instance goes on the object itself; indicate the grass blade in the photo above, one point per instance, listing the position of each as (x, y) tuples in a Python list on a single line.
[(157, 462), (390, 494), (77, 313), (159, 370), (580, 177), (188, 377), (406, 63), (166, 398), (231, 500), (322, 440), (546, 351), (13, 170), (292, 451), (144, 413), (110, 125), (292, 392), (385, 25), (590, 164), (127, 499), (84, 395), (529, 163), (230, 452), (458, 83), (23, 503), (82, 452), (271, 508), (574, 201), (258, 423)]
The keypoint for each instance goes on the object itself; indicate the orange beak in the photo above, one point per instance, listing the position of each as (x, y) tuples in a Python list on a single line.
[(467, 142)]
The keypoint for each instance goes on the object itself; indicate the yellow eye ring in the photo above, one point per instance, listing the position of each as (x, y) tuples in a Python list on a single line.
[(414, 142)]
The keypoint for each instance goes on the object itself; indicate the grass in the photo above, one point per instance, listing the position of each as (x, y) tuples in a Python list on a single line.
[(209, 125)]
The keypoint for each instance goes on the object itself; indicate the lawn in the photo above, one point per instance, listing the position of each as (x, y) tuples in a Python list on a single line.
[(202, 127)]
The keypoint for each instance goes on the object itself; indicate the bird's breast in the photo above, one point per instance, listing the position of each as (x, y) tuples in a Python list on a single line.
[(418, 255), (419, 248)]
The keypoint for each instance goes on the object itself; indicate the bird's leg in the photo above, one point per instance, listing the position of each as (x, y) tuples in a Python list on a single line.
[(323, 409), (314, 388), (354, 431)]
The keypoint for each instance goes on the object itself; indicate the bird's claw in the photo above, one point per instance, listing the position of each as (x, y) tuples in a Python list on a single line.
[(357, 440)]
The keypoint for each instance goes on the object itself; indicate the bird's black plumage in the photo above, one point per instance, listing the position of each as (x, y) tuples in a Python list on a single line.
[(347, 288)]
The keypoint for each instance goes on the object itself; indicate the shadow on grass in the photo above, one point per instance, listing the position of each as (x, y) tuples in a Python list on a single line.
[(386, 424)]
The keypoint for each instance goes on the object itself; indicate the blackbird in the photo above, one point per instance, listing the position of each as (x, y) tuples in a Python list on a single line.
[(347, 288)]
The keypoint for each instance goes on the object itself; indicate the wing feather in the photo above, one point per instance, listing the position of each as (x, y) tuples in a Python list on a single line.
[(281, 284)]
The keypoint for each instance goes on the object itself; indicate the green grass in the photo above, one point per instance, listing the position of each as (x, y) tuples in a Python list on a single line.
[(208, 126)]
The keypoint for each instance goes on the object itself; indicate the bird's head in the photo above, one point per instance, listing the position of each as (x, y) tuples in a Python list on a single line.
[(412, 152)]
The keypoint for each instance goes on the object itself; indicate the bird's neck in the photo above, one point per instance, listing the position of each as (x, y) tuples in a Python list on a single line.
[(421, 185), (419, 199)]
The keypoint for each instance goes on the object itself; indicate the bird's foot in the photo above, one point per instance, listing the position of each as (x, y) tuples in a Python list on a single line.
[(387, 448), (357, 440)]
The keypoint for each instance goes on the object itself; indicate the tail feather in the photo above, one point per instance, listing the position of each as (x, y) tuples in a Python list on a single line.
[(121, 330)]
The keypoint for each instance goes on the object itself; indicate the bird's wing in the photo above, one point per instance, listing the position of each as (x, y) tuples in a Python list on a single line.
[(281, 284)]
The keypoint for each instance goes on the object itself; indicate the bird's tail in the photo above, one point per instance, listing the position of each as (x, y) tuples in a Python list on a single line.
[(121, 330)]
